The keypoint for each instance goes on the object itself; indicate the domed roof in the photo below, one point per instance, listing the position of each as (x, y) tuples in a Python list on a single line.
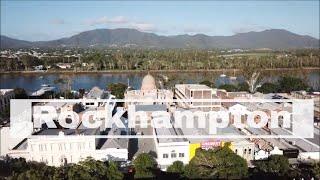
[(148, 83)]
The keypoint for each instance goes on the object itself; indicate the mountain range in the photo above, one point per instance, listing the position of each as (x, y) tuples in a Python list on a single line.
[(272, 39)]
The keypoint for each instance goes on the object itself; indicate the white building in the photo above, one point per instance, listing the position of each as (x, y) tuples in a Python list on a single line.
[(166, 149), (57, 147), (6, 141), (64, 65), (170, 150), (149, 94), (185, 93)]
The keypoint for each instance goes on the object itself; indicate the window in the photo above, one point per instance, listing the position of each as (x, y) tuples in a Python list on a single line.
[(245, 151), (165, 156), (236, 151), (249, 151), (181, 154), (173, 155)]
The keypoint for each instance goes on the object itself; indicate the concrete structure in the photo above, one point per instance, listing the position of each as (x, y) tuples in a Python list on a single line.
[(6, 141), (95, 94), (165, 149), (170, 149), (149, 94), (57, 147), (185, 93)]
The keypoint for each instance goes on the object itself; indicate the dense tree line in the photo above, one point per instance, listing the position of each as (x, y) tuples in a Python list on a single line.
[(285, 84), (218, 163), (88, 169), (169, 59)]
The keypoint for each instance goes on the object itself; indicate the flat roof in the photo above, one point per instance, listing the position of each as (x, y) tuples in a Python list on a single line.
[(304, 144), (80, 131), (153, 107), (194, 86), (169, 132)]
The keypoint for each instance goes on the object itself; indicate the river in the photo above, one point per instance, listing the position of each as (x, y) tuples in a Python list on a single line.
[(33, 81)]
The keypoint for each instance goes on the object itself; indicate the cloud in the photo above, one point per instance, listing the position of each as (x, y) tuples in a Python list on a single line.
[(247, 28), (58, 21), (106, 20), (144, 26)]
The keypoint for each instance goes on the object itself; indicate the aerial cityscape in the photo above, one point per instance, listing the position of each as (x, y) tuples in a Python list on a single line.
[(159, 90)]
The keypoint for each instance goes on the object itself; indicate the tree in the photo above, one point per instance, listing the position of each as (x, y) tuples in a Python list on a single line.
[(275, 165), (144, 165), (29, 61), (316, 170), (268, 88), (218, 163), (20, 93), (96, 169), (32, 174), (243, 87), (253, 79), (208, 83), (76, 171), (117, 89), (288, 84), (176, 167), (113, 172), (20, 169), (64, 86), (228, 87), (190, 172)]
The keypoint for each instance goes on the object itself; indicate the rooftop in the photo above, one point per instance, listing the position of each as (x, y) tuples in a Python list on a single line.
[(154, 107), (5, 91), (96, 93), (118, 143), (193, 86)]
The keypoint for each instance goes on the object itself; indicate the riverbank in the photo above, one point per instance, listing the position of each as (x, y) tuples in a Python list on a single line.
[(151, 71)]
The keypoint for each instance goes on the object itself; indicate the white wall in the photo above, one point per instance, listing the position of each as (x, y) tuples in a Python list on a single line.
[(169, 148), (6, 141), (244, 149), (309, 155), (55, 151)]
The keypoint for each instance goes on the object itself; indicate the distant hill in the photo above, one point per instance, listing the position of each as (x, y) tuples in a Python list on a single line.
[(273, 39), (7, 42)]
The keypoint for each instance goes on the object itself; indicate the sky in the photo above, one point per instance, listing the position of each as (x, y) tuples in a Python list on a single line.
[(47, 20)]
